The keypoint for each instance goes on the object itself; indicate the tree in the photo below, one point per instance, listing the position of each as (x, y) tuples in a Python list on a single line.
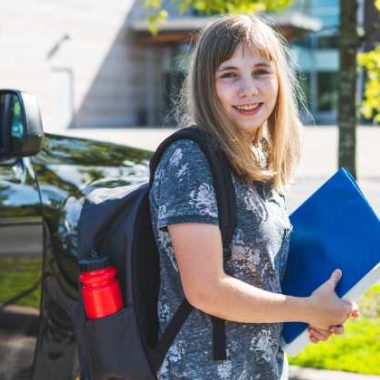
[(371, 62), (349, 42), (348, 45), (223, 6), (158, 14)]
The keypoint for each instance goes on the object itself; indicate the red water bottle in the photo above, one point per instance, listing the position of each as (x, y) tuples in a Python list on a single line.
[(100, 288)]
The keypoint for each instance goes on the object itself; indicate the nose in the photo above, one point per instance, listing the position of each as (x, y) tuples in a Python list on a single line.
[(248, 87)]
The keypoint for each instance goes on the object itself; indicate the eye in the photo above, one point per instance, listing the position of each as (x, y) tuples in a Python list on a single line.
[(228, 75), (261, 72)]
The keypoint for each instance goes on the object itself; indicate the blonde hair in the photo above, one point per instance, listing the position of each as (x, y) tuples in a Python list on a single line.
[(201, 105)]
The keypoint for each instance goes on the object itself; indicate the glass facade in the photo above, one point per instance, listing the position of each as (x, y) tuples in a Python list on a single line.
[(317, 55), (175, 66), (327, 94)]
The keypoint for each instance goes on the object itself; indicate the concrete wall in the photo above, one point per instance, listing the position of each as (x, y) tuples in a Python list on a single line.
[(78, 58)]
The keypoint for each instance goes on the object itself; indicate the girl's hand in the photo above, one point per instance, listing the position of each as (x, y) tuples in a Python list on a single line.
[(327, 309), (316, 335)]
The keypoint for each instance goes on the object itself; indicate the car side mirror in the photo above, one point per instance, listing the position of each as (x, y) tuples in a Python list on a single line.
[(21, 132)]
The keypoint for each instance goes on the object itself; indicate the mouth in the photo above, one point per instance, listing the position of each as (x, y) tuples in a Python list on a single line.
[(248, 109)]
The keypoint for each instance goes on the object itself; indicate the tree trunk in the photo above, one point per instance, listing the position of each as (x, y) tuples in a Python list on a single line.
[(348, 44)]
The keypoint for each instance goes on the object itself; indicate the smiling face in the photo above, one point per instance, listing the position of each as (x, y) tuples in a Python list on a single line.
[(247, 87)]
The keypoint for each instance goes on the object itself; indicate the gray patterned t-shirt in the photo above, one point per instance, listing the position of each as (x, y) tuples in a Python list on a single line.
[(183, 192)]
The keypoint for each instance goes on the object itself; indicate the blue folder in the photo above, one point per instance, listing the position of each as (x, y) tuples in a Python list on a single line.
[(335, 228)]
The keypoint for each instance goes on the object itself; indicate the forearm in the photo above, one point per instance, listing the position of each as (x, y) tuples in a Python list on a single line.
[(235, 300)]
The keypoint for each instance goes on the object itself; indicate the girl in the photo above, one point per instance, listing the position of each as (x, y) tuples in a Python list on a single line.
[(240, 89)]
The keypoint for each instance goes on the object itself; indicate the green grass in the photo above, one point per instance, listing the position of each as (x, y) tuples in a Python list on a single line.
[(358, 350), (17, 275)]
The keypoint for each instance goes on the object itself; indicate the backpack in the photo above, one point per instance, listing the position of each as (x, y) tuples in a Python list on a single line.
[(117, 224)]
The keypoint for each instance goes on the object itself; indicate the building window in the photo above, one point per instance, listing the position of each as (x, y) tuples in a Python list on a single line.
[(327, 91), (174, 71), (328, 42), (303, 79)]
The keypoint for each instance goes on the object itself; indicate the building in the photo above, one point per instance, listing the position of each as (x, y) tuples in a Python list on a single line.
[(94, 64), (319, 57), (170, 50)]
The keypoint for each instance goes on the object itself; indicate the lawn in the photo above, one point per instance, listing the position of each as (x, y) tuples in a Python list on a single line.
[(358, 350), (17, 275)]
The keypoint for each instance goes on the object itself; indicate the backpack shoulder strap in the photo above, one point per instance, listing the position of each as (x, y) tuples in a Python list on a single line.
[(220, 171), (226, 203)]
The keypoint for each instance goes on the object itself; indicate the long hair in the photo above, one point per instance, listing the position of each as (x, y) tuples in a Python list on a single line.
[(200, 103)]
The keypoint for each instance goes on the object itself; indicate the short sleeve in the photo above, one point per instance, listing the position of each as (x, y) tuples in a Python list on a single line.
[(183, 190)]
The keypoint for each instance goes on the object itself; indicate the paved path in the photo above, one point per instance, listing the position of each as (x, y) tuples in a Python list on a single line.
[(319, 146), (319, 158), (300, 373)]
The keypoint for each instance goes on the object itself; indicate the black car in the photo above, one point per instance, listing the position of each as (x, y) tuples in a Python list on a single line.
[(43, 181)]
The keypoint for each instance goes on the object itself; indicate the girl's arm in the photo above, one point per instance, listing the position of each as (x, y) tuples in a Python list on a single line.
[(198, 251)]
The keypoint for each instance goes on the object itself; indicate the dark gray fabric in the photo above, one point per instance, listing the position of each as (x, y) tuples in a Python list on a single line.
[(183, 192)]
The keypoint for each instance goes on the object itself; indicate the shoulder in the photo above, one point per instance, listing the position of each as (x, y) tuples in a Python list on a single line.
[(182, 189), (182, 167), (182, 155), (182, 151)]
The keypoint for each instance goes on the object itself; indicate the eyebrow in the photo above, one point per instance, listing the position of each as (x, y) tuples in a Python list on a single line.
[(261, 64)]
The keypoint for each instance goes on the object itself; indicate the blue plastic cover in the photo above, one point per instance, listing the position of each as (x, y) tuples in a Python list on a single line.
[(335, 228)]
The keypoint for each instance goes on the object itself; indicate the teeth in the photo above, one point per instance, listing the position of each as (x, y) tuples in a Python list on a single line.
[(249, 107)]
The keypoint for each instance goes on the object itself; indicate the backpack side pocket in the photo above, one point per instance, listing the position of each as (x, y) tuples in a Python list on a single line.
[(112, 348), (79, 320)]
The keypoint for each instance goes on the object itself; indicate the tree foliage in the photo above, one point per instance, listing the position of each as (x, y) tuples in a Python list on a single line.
[(209, 7), (370, 107)]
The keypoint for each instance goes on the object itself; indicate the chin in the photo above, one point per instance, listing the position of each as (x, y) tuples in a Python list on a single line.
[(249, 128)]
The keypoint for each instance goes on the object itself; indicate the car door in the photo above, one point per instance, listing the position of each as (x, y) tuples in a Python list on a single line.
[(21, 242)]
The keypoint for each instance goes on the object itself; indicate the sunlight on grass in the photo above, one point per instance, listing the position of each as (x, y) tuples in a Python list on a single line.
[(358, 350), (17, 275)]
